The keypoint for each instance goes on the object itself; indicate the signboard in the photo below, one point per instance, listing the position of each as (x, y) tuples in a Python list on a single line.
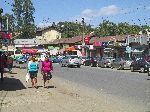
[(87, 40), (128, 49)]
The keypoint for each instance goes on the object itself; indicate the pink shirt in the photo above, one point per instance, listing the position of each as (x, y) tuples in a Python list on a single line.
[(47, 66)]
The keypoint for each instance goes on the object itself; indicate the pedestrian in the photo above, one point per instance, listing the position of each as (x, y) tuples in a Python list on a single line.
[(33, 70), (9, 63), (3, 60), (47, 68)]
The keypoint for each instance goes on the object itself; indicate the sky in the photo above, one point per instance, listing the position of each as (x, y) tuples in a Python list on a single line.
[(93, 11)]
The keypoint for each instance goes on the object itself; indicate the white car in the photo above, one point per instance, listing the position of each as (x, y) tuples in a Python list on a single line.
[(71, 61)]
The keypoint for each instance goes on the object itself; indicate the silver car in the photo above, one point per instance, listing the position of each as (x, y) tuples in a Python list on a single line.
[(70, 61), (121, 63)]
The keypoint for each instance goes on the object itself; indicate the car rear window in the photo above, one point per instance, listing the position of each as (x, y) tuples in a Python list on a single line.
[(72, 57)]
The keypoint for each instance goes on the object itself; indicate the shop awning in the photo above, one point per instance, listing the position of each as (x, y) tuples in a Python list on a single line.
[(32, 51), (70, 48)]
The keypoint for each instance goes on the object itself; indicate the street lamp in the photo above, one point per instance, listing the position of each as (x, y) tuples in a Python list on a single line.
[(82, 36)]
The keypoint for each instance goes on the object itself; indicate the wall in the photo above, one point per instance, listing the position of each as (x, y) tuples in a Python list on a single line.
[(50, 35)]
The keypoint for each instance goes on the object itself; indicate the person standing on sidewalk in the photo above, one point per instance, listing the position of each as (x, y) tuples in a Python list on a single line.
[(33, 70), (9, 63), (3, 60), (47, 68)]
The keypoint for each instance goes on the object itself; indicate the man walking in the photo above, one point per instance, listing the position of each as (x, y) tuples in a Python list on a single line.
[(2, 64), (9, 63)]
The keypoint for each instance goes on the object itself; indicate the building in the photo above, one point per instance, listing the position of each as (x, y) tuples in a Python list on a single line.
[(48, 34)]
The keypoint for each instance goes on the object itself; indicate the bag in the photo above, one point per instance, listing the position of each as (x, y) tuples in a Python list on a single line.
[(27, 77)]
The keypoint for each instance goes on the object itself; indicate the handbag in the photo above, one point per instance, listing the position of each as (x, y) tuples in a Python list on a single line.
[(27, 77)]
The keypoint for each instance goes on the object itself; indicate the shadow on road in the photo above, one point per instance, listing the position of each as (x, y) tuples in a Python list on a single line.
[(11, 84)]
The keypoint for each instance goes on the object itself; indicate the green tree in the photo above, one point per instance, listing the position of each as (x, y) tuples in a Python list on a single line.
[(106, 28), (71, 29), (23, 12), (28, 29)]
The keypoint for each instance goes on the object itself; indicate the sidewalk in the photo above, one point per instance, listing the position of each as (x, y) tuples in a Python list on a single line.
[(62, 96)]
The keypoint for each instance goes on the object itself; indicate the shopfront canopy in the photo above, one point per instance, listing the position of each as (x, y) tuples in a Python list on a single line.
[(31, 51), (70, 48)]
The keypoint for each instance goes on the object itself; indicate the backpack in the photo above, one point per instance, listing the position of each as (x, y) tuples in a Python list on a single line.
[(33, 66)]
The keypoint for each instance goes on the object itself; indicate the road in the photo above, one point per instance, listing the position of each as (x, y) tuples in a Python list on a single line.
[(123, 85)]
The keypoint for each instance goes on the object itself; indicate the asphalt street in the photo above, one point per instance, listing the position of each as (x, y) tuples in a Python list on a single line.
[(134, 87)]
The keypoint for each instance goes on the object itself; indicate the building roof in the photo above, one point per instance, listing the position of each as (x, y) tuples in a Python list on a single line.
[(67, 40), (108, 38), (25, 41)]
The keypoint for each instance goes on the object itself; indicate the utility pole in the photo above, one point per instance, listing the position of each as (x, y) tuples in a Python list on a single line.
[(83, 37), (1, 11)]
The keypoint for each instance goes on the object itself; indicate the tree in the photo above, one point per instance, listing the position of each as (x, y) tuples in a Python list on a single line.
[(28, 29), (17, 10), (23, 12), (72, 29)]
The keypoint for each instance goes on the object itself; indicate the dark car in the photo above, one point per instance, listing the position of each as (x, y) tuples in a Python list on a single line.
[(105, 62), (139, 64), (87, 61), (91, 61)]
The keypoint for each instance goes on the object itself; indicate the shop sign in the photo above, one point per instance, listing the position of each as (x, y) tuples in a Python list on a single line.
[(87, 40), (104, 43)]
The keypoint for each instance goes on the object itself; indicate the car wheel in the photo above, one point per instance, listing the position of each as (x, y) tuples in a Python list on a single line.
[(132, 69), (78, 66), (84, 64), (148, 74), (120, 67), (91, 65), (142, 69), (62, 65), (111, 67), (97, 65)]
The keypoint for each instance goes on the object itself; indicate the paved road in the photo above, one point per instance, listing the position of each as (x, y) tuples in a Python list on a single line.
[(133, 87)]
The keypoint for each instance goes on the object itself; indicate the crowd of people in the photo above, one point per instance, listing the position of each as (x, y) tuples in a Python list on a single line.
[(6, 61)]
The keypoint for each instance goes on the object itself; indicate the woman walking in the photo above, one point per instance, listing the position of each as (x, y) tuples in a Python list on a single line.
[(47, 68), (33, 70)]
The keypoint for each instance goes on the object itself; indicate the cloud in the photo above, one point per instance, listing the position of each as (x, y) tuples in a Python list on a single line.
[(109, 10), (89, 14)]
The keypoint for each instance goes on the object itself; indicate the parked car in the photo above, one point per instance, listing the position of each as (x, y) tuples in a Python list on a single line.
[(121, 63), (105, 62), (139, 64), (87, 61), (91, 61), (21, 60), (55, 59), (71, 61), (83, 59)]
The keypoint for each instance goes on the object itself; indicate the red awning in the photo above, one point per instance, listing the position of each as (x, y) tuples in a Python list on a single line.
[(32, 51)]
